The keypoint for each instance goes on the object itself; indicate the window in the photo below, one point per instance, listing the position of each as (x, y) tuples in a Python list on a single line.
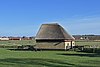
[(67, 44)]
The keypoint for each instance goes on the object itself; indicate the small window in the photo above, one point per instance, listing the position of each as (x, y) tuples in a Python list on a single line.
[(67, 44)]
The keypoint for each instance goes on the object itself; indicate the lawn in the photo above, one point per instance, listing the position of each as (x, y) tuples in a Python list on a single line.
[(11, 58)]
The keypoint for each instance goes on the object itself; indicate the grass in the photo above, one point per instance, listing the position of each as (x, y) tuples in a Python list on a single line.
[(88, 43), (10, 58), (18, 42), (32, 42)]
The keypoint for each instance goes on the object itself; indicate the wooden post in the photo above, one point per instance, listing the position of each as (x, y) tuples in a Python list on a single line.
[(82, 49), (94, 49)]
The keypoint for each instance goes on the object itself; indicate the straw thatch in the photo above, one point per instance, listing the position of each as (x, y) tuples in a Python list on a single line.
[(53, 32)]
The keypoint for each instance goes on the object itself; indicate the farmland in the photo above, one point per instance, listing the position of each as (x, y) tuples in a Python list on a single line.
[(17, 42), (12, 58), (88, 43), (32, 42)]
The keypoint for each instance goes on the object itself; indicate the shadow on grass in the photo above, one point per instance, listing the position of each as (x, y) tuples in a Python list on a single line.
[(22, 49), (35, 62), (81, 54)]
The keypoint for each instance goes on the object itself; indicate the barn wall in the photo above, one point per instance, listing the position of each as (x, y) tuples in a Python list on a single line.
[(50, 45), (73, 43), (4, 38), (69, 44)]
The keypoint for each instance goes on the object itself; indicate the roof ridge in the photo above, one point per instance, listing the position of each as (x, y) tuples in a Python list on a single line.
[(51, 24)]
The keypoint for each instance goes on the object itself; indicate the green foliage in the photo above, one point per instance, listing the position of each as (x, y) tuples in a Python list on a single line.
[(92, 50)]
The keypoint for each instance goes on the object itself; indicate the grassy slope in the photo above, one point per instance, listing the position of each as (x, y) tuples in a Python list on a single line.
[(48, 59)]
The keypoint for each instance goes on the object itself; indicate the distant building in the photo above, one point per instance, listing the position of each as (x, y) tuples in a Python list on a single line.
[(86, 37), (14, 38), (26, 38), (53, 36), (20, 38), (4, 38)]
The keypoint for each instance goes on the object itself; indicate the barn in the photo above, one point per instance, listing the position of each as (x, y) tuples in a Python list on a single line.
[(53, 36)]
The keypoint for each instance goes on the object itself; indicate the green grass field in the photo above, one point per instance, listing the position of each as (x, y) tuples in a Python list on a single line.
[(18, 42), (88, 43), (32, 42), (10, 58)]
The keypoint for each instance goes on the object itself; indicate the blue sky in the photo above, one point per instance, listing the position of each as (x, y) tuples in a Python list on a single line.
[(24, 17)]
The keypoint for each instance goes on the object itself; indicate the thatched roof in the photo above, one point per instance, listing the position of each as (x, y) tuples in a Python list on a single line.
[(52, 32)]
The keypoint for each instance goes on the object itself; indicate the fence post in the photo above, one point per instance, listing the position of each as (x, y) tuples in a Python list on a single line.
[(94, 48)]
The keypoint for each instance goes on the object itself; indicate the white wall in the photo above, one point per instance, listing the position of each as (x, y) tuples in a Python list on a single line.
[(4, 38), (73, 43), (68, 44)]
